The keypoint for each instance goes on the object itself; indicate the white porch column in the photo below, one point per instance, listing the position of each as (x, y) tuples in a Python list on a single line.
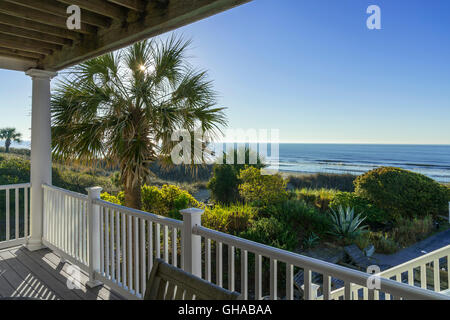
[(41, 160)]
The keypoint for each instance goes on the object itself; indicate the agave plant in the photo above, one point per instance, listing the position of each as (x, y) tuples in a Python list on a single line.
[(346, 224)]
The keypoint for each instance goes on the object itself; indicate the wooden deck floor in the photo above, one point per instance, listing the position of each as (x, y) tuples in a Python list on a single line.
[(40, 275)]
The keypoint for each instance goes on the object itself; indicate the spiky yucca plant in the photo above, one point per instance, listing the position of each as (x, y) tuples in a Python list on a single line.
[(346, 224)]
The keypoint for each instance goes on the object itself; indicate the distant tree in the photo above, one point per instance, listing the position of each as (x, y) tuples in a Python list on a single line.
[(10, 135)]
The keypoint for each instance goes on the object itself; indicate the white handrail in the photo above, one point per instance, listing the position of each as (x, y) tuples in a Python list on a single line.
[(140, 214), (15, 186), (349, 275), (66, 192)]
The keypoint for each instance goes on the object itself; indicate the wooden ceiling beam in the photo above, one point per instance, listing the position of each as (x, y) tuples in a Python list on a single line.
[(11, 42), (21, 53), (100, 7), (39, 27), (34, 35), (57, 8), (136, 5), (16, 56), (39, 16)]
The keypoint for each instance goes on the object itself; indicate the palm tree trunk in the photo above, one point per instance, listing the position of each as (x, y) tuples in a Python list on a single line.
[(7, 144), (133, 196)]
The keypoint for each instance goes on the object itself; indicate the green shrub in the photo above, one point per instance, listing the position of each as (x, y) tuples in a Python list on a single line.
[(371, 212), (272, 232), (231, 219), (166, 201), (342, 182), (319, 198), (402, 193), (14, 170), (301, 217), (110, 198), (224, 184), (261, 189)]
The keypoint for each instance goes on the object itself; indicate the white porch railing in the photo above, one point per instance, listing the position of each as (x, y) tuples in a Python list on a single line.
[(117, 245), (124, 241), (388, 288), (424, 271), (14, 216)]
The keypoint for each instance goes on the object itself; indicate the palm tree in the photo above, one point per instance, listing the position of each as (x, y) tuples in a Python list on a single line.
[(10, 135), (123, 108)]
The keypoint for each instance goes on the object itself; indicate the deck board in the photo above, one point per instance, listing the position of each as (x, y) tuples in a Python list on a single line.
[(40, 274)]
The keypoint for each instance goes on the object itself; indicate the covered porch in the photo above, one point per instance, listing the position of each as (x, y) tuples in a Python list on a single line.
[(59, 244)]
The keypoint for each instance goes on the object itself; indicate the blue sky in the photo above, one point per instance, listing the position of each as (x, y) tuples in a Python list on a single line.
[(313, 70)]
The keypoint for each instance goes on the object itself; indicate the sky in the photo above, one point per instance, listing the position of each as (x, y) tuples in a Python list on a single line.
[(313, 70)]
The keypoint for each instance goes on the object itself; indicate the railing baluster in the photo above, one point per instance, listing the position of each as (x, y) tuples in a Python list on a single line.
[(102, 241), (423, 276), (448, 271), (289, 281), (208, 259), (273, 279), (124, 251), (231, 280), (307, 284), (111, 245), (348, 290), (142, 247), (150, 247), (45, 210), (258, 276), (244, 274), (71, 225), (16, 207), (56, 219), (130, 255), (158, 240), (85, 229), (7, 215), (436, 276), (174, 247), (107, 258), (136, 255), (166, 244), (25, 211), (219, 268), (118, 234), (411, 276), (326, 287)]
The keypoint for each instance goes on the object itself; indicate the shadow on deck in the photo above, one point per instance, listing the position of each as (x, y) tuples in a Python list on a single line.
[(40, 275)]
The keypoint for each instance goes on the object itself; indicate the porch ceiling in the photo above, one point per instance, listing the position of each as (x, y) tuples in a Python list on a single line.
[(33, 33)]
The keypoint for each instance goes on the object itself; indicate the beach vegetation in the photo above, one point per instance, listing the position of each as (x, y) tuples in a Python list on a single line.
[(402, 193)]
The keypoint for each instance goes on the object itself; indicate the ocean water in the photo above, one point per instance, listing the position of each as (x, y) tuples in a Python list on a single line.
[(430, 160)]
